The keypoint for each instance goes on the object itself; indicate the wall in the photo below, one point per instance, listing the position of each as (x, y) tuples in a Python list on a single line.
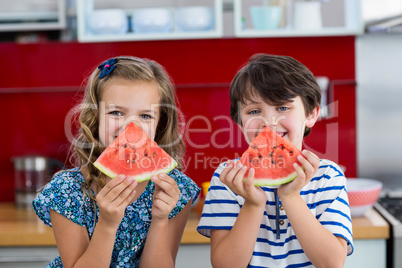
[(41, 82)]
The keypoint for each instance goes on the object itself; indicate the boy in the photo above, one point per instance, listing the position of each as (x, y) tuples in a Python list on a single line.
[(304, 223)]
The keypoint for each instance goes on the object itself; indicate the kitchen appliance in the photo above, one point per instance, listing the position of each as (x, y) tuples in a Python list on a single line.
[(31, 174), (382, 18), (389, 25), (390, 206)]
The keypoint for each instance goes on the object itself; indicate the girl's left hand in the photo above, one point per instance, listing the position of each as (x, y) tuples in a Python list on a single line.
[(310, 162), (166, 195)]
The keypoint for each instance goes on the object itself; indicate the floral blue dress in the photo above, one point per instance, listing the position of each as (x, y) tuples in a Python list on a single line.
[(63, 194)]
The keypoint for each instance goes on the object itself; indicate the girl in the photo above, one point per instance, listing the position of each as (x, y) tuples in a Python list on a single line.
[(98, 221)]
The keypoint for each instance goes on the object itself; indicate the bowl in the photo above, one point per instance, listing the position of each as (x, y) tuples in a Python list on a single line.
[(108, 21), (152, 20), (265, 17), (195, 18), (362, 194)]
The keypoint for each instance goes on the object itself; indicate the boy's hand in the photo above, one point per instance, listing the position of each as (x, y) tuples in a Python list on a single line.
[(310, 162), (233, 177), (165, 198)]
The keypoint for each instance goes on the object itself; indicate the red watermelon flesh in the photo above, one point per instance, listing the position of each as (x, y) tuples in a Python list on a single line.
[(272, 157), (135, 155)]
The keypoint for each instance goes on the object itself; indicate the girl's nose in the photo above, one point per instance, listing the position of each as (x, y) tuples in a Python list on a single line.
[(128, 119), (135, 137), (127, 122)]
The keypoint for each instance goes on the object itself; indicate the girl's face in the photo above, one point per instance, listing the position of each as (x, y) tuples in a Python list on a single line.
[(125, 101), (288, 120)]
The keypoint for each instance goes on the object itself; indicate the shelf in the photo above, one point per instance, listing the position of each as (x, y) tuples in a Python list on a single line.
[(328, 31), (352, 12), (139, 37), (34, 19), (85, 36)]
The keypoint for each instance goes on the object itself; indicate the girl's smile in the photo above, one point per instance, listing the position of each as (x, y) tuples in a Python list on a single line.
[(125, 101)]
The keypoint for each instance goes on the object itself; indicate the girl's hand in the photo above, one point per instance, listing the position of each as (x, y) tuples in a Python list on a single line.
[(310, 162), (233, 177), (113, 199), (165, 197)]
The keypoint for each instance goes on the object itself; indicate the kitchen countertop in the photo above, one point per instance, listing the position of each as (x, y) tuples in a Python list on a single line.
[(23, 228)]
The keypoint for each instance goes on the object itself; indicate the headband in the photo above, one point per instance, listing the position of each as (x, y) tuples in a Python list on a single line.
[(107, 67)]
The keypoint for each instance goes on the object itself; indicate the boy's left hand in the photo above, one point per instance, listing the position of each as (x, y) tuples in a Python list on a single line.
[(310, 162), (166, 195)]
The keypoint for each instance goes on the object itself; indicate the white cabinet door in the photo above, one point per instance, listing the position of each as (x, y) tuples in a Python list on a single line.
[(368, 253), (27, 257), (194, 256)]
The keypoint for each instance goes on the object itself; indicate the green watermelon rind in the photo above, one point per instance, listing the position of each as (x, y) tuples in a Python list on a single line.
[(275, 182), (141, 177)]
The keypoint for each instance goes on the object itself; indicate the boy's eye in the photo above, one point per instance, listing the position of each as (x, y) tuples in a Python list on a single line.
[(254, 112), (146, 116), (282, 109)]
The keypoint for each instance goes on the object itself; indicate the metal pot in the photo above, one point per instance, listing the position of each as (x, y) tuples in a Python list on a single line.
[(31, 174)]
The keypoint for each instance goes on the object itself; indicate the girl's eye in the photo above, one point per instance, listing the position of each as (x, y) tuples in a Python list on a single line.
[(254, 112), (282, 109), (117, 113)]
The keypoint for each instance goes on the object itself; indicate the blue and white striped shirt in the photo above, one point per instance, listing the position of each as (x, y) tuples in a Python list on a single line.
[(277, 244)]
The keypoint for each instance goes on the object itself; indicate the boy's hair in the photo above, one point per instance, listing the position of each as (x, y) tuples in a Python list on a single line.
[(277, 80), (87, 146)]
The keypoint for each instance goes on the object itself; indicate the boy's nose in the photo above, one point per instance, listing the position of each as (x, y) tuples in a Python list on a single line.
[(271, 122)]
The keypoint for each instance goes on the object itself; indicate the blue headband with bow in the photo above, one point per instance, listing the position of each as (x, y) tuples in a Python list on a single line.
[(107, 67)]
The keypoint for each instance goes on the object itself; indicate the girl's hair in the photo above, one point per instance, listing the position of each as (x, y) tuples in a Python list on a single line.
[(87, 146), (277, 80)]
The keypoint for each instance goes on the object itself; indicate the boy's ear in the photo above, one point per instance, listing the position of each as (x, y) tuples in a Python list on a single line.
[(312, 118)]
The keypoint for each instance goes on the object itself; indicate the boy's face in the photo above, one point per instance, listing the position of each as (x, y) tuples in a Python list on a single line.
[(288, 120)]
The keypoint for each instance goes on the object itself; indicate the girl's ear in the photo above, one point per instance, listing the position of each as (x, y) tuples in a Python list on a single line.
[(312, 118)]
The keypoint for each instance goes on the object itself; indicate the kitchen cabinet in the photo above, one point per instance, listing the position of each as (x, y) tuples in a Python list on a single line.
[(27, 15), (369, 241), (349, 11), (22, 257), (347, 16), (369, 253), (189, 255), (25, 239), (85, 7)]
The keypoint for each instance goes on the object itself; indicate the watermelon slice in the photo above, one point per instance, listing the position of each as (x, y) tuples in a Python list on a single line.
[(135, 155), (272, 157)]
